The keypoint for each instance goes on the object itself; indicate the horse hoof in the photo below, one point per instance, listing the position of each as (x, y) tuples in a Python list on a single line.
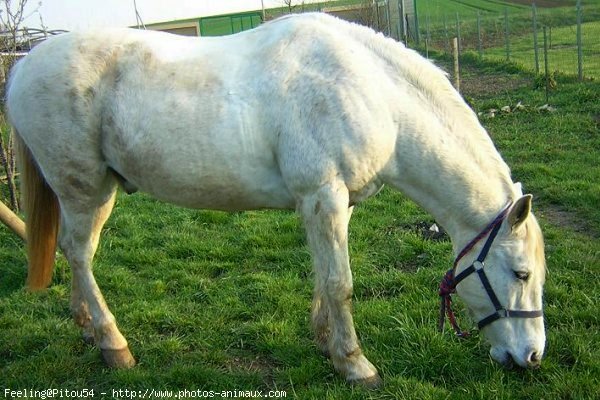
[(371, 383), (118, 358)]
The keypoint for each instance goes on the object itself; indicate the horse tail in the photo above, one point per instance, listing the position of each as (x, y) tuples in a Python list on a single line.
[(43, 214)]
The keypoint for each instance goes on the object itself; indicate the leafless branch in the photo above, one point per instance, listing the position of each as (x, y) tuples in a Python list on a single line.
[(12, 15)]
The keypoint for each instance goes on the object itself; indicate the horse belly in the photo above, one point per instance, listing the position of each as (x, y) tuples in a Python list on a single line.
[(224, 192), (200, 175)]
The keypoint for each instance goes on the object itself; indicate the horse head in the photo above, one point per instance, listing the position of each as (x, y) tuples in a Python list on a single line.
[(503, 286)]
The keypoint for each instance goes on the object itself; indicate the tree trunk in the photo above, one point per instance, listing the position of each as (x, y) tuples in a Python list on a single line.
[(7, 160)]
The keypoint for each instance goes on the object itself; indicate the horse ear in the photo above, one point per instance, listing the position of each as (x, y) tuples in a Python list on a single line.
[(519, 212)]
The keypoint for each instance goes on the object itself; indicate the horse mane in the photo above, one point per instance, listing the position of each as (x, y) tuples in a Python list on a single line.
[(462, 126), (446, 103), (432, 82), (426, 78)]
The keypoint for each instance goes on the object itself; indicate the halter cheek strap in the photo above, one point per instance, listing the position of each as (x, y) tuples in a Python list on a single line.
[(449, 282), (500, 312)]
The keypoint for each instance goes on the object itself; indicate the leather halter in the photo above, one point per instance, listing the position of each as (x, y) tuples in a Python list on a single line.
[(449, 282)]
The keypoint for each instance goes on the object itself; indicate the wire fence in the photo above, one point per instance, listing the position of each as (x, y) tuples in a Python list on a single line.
[(567, 38)]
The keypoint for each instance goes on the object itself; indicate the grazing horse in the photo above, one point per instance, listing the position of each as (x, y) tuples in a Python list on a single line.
[(306, 112)]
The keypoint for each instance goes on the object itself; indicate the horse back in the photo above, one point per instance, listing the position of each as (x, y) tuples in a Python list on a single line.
[(248, 121)]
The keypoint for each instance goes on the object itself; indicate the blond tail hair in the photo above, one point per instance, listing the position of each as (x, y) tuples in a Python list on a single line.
[(42, 218)]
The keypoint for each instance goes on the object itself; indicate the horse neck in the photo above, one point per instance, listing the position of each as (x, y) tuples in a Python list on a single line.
[(445, 160), (453, 171)]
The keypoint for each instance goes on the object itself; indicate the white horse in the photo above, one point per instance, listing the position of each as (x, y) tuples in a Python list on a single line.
[(306, 112)]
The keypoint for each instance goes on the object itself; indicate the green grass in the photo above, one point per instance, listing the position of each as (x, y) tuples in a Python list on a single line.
[(438, 22), (219, 301), (437, 9), (562, 52)]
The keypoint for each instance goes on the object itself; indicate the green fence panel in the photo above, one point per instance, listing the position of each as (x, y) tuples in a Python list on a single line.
[(229, 24)]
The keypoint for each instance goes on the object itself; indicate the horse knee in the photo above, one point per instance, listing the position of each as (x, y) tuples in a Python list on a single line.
[(339, 291)]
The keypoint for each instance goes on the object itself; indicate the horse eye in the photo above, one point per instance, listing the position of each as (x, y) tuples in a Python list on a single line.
[(521, 275)]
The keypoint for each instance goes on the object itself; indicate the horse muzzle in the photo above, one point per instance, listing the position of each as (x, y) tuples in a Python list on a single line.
[(529, 358)]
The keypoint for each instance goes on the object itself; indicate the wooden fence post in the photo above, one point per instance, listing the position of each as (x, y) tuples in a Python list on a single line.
[(456, 65), (11, 220), (547, 75), (535, 42), (506, 34), (479, 38), (579, 43)]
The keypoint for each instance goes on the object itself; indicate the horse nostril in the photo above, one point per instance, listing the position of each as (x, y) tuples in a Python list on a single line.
[(531, 360), (509, 362), (534, 359)]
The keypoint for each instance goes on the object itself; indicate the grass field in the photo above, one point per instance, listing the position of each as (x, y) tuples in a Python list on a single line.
[(217, 301), (441, 20), (437, 9), (562, 53)]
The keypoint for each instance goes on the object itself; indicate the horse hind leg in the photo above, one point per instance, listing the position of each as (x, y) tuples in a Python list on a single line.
[(81, 224), (326, 215), (79, 306), (81, 313)]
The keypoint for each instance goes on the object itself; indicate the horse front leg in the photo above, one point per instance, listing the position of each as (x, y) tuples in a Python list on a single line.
[(319, 309), (326, 215), (80, 229)]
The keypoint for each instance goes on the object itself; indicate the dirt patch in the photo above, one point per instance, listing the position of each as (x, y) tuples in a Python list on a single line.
[(475, 83), (490, 84), (566, 219), (254, 364)]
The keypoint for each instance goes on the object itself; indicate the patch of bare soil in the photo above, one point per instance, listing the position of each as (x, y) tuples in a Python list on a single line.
[(253, 364), (489, 84), (475, 83), (566, 219)]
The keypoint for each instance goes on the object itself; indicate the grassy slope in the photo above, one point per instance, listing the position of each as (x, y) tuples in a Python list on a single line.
[(562, 55), (437, 9), (221, 301), (440, 16)]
